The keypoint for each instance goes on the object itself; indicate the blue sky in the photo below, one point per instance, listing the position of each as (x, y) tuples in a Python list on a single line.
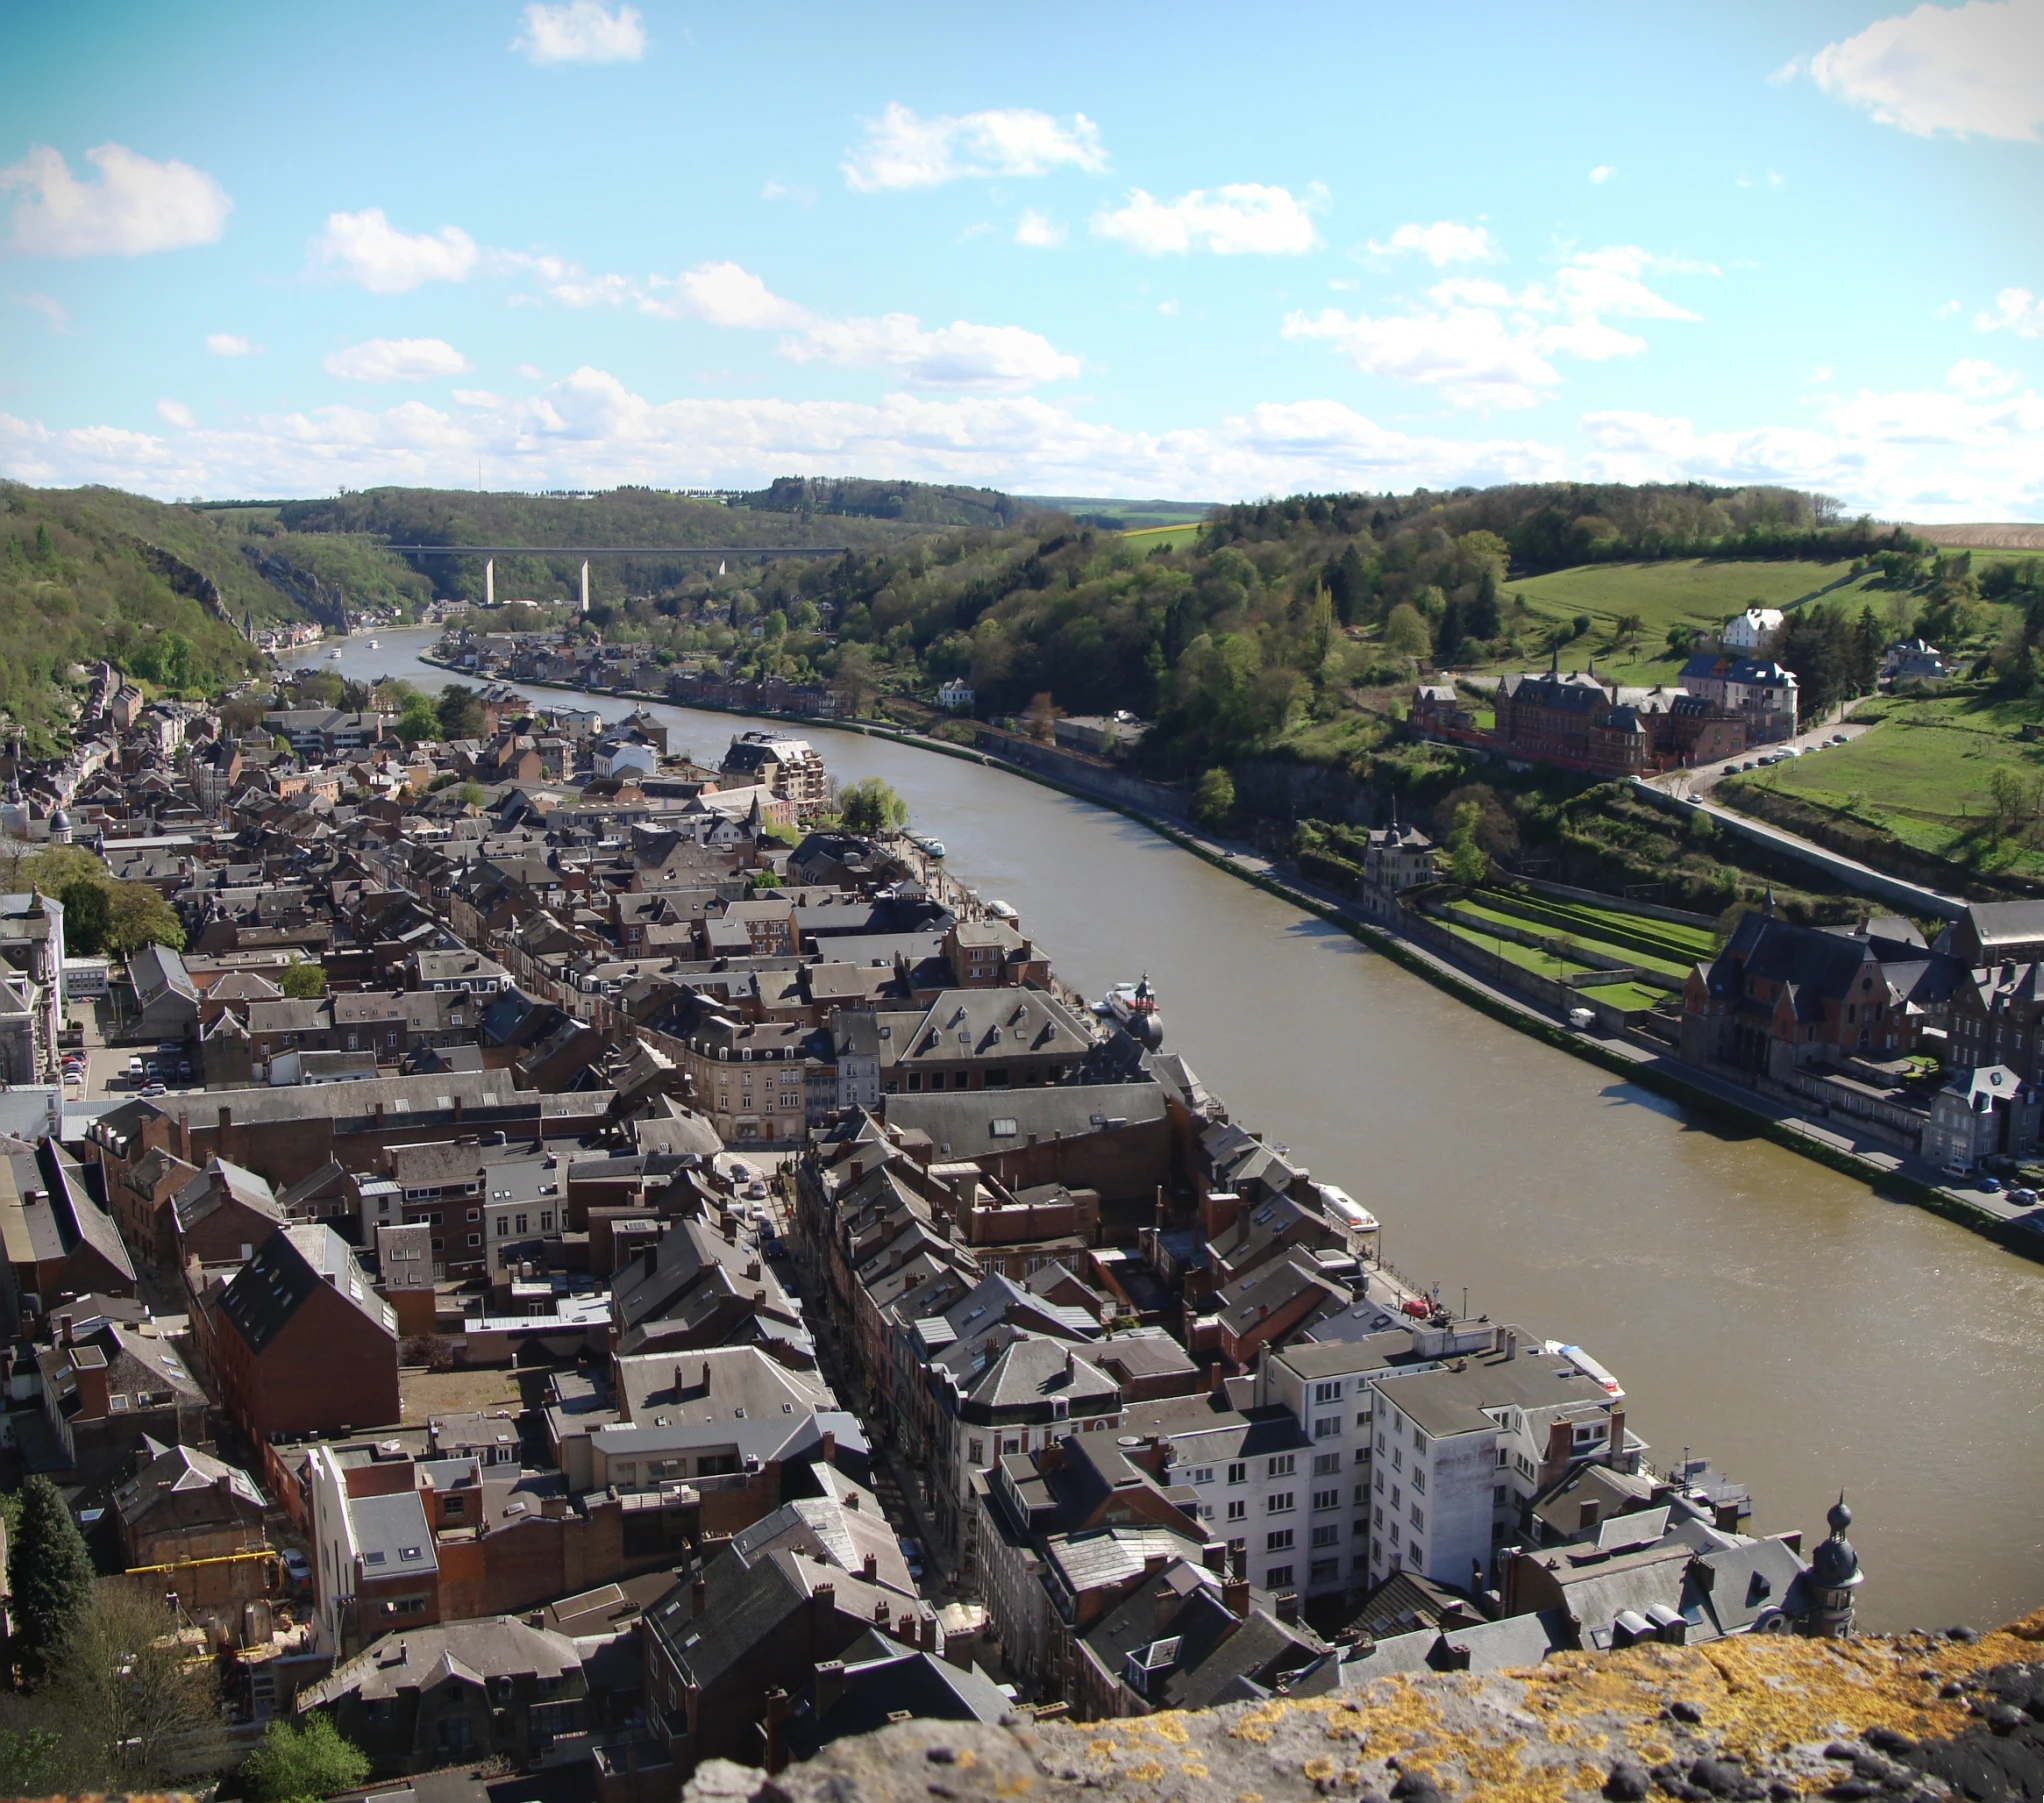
[(1196, 252)]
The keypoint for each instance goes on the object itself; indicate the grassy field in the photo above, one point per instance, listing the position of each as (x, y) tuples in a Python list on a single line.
[(1584, 934), (1629, 996), (1700, 593), (1922, 774), (1148, 538)]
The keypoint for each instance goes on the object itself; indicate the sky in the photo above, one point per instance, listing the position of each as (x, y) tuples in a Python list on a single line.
[(1202, 253)]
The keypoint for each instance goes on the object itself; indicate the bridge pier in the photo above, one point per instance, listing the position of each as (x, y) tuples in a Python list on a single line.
[(489, 582), (585, 585)]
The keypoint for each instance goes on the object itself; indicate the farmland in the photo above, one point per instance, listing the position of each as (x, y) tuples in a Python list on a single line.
[(1925, 776), (1698, 594)]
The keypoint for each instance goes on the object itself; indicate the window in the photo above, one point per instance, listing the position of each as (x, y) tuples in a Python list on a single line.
[(1238, 1474), (502, 1226), (1419, 1480), (1202, 1474), (1330, 1535), (1279, 1541), (1380, 1442), (1380, 1515), (1327, 1464), (521, 1224), (1328, 1427), (1362, 1455), (1363, 1420), (1362, 1495), (1325, 1571), (1327, 1499), (1361, 1528), (1281, 1465), (1279, 1502), (546, 1220), (475, 1239), (1398, 1458), (1419, 1441), (1278, 1577), (1500, 1496), (1327, 1392), (1380, 1481), (1419, 1520), (1237, 1509), (975, 1451), (1396, 1497)]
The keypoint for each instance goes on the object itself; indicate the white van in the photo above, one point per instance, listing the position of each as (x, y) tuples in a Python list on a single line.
[(135, 1071)]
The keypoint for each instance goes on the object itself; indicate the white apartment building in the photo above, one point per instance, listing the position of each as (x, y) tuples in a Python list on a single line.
[(1254, 1474), (1457, 1450)]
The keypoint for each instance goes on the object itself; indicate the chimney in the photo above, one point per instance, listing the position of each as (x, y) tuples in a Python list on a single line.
[(88, 1371), (224, 1484), (752, 1268), (823, 1601), (706, 1374), (869, 1568), (1164, 1601), (1235, 1596), (1153, 1563), (1214, 1556), (830, 1452), (830, 1685), (1288, 1607), (881, 1612), (1511, 1342), (1586, 1517), (926, 1629), (698, 1598)]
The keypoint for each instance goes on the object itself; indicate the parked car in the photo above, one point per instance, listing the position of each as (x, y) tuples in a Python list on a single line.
[(1730, 770), (912, 1552), (184, 1070), (756, 1190), (1991, 1185), (2025, 1195), (297, 1567), (1839, 738), (154, 1088), (1749, 764), (135, 1071)]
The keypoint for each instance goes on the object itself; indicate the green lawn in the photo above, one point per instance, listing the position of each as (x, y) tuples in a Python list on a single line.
[(1540, 963), (1148, 538), (1504, 913), (1922, 774), (1701, 593), (1624, 995), (1587, 921)]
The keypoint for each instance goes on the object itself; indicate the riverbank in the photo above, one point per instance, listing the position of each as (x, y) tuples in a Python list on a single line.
[(1713, 1098)]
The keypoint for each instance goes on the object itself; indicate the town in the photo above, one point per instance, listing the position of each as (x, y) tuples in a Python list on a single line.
[(593, 1260)]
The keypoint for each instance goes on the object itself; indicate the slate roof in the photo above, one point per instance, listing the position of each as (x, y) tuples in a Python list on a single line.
[(877, 1689), (180, 1469), (287, 1267), (488, 1647)]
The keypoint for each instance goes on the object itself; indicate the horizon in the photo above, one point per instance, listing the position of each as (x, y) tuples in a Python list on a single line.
[(573, 246)]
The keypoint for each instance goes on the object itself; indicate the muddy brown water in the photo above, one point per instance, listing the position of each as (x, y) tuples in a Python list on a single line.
[(1805, 1334)]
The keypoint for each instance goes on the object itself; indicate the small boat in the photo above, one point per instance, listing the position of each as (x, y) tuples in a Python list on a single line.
[(372, 644), (1134, 1005), (333, 657), (1001, 911), (930, 847)]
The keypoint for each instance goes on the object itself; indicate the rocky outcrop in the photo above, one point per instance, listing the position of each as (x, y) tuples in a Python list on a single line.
[(1915, 1716)]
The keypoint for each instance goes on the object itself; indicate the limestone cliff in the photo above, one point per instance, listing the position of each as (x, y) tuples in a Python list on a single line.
[(1913, 1716)]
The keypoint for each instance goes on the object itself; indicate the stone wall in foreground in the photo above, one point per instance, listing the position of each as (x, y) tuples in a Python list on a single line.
[(1915, 1716)]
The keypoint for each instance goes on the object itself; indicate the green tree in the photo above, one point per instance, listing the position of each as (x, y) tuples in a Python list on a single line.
[(312, 1759), (139, 916), (1448, 640), (1467, 863), (1405, 632), (87, 917), (1215, 800), (419, 719), (870, 806), (50, 1574), (303, 981), (472, 793), (30, 1762), (459, 711), (1482, 617), (132, 1698), (856, 678)]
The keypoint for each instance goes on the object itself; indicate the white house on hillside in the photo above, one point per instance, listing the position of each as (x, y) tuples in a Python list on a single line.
[(1752, 629)]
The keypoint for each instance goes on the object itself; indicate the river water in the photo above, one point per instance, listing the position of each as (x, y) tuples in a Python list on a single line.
[(1759, 1308)]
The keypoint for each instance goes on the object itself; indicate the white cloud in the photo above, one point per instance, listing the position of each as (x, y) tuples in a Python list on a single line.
[(1445, 242), (231, 344), (367, 249), (1471, 354), (1977, 379), (1483, 345), (901, 149), (175, 413), (723, 294), (135, 206), (962, 355), (581, 32), (1240, 218), (530, 371), (1038, 230), (1925, 456), (395, 360), (1971, 69), (1603, 173), (49, 306), (2016, 310)]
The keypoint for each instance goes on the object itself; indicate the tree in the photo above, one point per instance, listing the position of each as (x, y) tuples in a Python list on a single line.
[(419, 719), (29, 1762), (1448, 640), (139, 916), (137, 1696), (50, 1574), (303, 981), (871, 806), (1215, 800), (856, 679), (459, 712), (1467, 864), (310, 1760), (1405, 632), (2006, 795), (472, 793), (87, 917), (1039, 718)]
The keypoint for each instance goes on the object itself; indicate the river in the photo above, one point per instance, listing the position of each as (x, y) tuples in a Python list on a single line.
[(1806, 1335)]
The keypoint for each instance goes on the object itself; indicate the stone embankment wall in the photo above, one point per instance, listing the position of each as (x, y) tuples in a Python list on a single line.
[(1915, 1717)]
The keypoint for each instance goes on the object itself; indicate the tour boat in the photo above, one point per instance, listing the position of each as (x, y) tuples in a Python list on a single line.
[(928, 846), (1135, 1006)]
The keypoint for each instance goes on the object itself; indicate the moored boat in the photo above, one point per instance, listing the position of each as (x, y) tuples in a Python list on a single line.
[(1134, 1005)]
